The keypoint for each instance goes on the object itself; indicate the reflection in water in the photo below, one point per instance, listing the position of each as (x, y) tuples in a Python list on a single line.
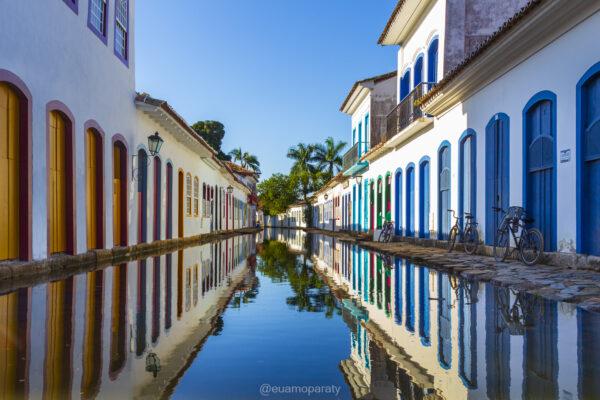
[(88, 325), (528, 342)]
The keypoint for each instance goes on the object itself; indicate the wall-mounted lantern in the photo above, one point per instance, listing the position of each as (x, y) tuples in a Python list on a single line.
[(326, 196), (152, 363), (359, 179), (229, 189), (154, 143)]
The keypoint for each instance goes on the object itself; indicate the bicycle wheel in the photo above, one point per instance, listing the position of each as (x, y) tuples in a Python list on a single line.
[(388, 236), (532, 246), (501, 245), (471, 240), (452, 239), (381, 236)]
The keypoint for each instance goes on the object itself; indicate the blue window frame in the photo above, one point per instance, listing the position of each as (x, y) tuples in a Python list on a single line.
[(424, 197), (359, 208), (73, 5), (405, 84), (539, 159), (359, 138), (410, 200), (122, 30), (466, 173), (398, 201), (367, 133), (444, 190), (588, 162), (97, 11), (444, 321), (432, 61), (418, 74)]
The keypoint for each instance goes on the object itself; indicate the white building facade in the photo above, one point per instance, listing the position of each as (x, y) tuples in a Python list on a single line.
[(501, 112), (74, 136)]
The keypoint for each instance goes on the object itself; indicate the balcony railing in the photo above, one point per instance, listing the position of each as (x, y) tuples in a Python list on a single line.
[(406, 112), (351, 157)]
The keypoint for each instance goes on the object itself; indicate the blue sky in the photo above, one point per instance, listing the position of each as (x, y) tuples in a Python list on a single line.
[(274, 72)]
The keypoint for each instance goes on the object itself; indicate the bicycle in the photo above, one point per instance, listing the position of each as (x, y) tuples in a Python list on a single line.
[(517, 317), (530, 242), (386, 232), (468, 236)]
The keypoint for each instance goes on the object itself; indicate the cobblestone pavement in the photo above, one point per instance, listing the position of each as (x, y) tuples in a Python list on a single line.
[(556, 283)]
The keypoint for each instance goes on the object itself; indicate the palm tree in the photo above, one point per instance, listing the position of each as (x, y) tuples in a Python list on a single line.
[(251, 162), (329, 156), (303, 156), (236, 154)]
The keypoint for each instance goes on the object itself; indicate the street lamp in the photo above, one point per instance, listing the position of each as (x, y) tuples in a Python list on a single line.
[(154, 144), (229, 189), (359, 179)]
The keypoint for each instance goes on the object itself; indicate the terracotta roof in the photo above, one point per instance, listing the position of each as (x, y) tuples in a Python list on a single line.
[(238, 169), (146, 98), (376, 79), (391, 21), (480, 50)]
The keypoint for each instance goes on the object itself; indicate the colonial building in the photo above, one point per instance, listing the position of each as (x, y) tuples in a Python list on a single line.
[(497, 107), (75, 164)]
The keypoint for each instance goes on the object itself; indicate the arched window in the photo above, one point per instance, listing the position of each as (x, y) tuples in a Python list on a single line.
[(432, 61), (196, 194), (379, 202), (424, 197), (169, 206), (418, 74), (405, 84), (119, 191), (388, 197), (398, 202), (95, 187), (410, 200), (204, 199), (588, 156), (466, 174), (539, 138), (188, 195), (444, 191), (496, 173)]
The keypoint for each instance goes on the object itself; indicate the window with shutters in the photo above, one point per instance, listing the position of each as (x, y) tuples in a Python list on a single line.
[(188, 195), (196, 192), (121, 26), (97, 18)]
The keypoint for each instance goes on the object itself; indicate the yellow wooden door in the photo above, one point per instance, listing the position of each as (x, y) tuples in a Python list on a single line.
[(91, 193), (117, 195), (9, 173), (58, 184)]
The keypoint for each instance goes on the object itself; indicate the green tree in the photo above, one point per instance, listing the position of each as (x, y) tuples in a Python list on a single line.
[(329, 157), (213, 132), (277, 193), (303, 156), (245, 159)]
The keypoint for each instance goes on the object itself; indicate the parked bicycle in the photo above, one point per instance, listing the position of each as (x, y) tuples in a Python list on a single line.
[(386, 232), (517, 317), (529, 243), (468, 236)]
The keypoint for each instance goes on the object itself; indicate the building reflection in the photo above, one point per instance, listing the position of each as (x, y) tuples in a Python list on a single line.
[(488, 342), (94, 332)]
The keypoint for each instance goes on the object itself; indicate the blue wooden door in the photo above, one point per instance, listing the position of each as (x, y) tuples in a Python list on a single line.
[(410, 201), (424, 200), (398, 209), (496, 172), (467, 176), (540, 196), (432, 61), (590, 152), (444, 193), (405, 85)]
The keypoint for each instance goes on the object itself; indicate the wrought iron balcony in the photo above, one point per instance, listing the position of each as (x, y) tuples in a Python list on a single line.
[(406, 111), (351, 157)]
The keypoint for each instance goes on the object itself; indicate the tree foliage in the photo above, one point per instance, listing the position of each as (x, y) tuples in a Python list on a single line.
[(329, 156), (213, 132), (277, 193), (246, 160)]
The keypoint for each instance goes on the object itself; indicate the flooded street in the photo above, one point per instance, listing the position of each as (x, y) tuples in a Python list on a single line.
[(287, 315)]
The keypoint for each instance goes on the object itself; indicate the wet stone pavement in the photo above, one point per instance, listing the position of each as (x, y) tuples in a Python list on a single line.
[(555, 283)]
